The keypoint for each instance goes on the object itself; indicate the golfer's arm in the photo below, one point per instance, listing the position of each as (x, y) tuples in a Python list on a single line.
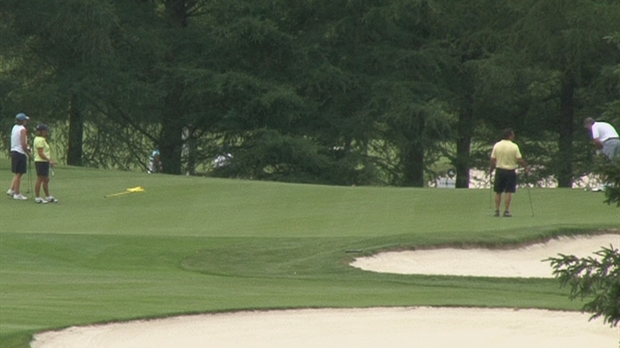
[(42, 154), (492, 164), (25, 140), (598, 143), (522, 162)]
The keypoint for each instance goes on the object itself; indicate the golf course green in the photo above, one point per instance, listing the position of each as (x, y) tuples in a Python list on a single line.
[(203, 245)]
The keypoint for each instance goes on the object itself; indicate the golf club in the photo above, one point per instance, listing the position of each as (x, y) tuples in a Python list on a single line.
[(29, 189), (53, 175), (529, 194), (491, 191)]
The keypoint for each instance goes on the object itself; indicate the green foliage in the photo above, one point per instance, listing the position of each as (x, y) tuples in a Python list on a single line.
[(270, 155), (563, 46), (611, 172), (425, 79), (612, 74), (594, 278)]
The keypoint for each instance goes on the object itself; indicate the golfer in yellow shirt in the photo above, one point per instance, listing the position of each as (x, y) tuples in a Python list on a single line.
[(42, 162), (505, 159)]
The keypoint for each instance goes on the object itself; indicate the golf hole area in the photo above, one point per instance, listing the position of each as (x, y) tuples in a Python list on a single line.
[(372, 327)]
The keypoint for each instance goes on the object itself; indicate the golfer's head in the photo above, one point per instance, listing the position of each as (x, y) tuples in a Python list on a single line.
[(508, 134), (42, 129), (588, 122), (21, 118)]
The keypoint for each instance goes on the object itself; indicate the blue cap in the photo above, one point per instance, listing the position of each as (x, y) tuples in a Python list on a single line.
[(42, 127), (22, 117)]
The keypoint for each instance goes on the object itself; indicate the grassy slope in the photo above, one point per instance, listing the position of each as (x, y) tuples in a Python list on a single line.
[(191, 245)]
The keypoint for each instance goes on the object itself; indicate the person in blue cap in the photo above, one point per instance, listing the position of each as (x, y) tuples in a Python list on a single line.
[(154, 162), (19, 155)]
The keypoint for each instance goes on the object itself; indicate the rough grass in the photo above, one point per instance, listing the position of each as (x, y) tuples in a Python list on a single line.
[(192, 245)]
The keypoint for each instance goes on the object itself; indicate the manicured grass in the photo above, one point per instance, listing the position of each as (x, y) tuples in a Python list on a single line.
[(190, 245)]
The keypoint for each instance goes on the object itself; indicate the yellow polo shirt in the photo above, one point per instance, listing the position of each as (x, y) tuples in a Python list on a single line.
[(507, 154), (40, 142)]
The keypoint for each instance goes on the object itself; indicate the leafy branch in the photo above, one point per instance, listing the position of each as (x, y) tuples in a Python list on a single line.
[(596, 278)]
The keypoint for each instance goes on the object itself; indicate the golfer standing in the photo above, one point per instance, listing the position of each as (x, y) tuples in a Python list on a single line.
[(154, 162), (19, 155), (505, 159), (42, 162), (605, 138)]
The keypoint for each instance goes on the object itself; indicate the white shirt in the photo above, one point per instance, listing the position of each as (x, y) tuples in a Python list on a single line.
[(16, 139), (603, 131)]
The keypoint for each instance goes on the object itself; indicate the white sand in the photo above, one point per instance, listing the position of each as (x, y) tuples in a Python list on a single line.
[(372, 328), (376, 327), (526, 262)]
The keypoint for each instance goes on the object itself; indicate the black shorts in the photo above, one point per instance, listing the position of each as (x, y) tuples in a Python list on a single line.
[(43, 168), (505, 181), (19, 162)]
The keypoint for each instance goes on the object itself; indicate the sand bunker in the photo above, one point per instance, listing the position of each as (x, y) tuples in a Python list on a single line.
[(521, 262), (360, 328), (379, 327)]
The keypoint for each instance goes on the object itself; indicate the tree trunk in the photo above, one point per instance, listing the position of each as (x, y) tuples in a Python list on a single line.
[(171, 143), (177, 12), (191, 148), (413, 154), (566, 131), (76, 133), (413, 165), (465, 128)]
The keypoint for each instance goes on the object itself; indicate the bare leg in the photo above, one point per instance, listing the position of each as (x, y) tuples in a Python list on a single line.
[(15, 185), (37, 186), (498, 200), (507, 201), (46, 189)]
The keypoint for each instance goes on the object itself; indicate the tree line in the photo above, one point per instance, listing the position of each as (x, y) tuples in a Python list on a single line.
[(344, 92)]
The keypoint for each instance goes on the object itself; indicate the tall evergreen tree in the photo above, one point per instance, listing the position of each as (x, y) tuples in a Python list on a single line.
[(566, 39), (65, 50), (476, 81)]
